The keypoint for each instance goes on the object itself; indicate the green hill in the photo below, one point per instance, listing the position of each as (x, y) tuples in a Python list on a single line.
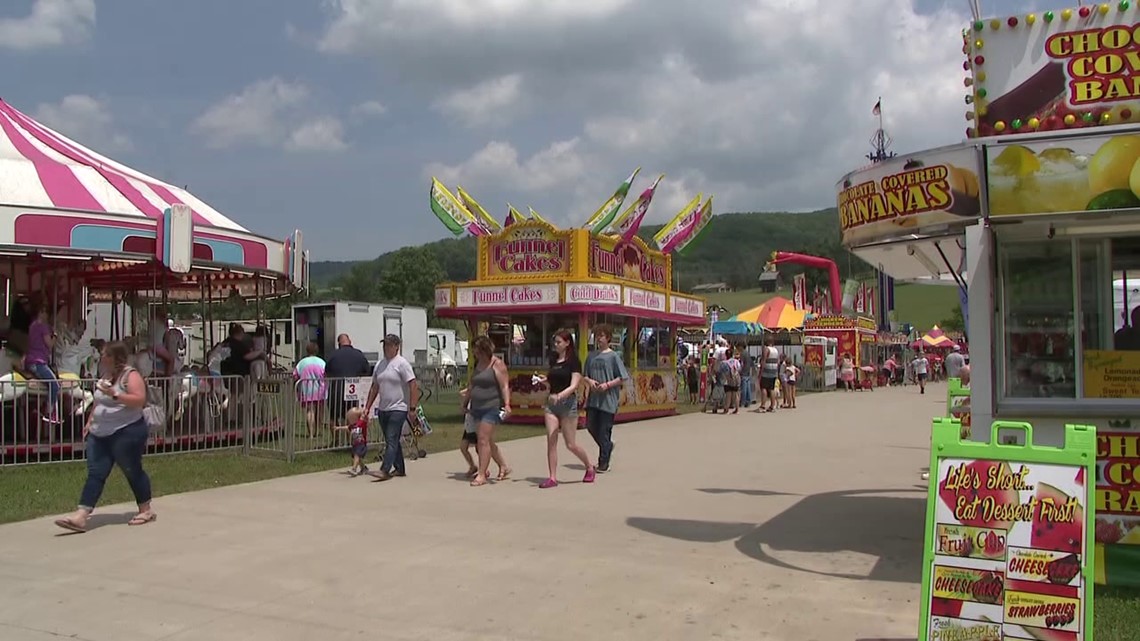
[(732, 250)]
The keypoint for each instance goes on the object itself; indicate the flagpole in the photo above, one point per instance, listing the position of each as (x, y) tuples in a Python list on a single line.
[(880, 103)]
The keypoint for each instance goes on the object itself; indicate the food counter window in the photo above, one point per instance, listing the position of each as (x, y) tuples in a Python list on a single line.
[(622, 342), (1037, 335), (1110, 316), (655, 346)]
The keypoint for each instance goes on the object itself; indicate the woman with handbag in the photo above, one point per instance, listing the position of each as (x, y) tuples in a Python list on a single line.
[(116, 434)]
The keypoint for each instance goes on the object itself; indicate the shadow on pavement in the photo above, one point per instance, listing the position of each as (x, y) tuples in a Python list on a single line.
[(719, 490), (881, 524)]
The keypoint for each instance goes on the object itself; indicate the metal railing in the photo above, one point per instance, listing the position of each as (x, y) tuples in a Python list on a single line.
[(275, 416)]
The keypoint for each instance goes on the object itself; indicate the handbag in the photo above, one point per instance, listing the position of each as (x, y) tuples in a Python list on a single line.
[(154, 412)]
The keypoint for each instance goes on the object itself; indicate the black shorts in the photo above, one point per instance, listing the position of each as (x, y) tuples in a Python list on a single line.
[(922, 377), (731, 388), (469, 437), (360, 449), (767, 384)]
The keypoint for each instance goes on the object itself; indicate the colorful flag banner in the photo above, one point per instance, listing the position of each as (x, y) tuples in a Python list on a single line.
[(605, 214), (513, 216), (869, 301), (534, 215), (629, 222), (860, 298), (799, 291), (449, 210), (671, 232), (698, 226), (480, 214)]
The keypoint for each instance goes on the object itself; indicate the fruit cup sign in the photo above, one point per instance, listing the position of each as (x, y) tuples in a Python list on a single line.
[(1079, 70), (1090, 173), (905, 195), (1118, 488), (1008, 549)]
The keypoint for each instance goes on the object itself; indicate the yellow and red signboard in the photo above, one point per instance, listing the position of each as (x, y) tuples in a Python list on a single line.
[(631, 261), (526, 249), (907, 195), (1063, 69), (1118, 488)]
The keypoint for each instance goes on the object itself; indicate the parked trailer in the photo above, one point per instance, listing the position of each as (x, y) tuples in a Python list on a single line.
[(366, 324)]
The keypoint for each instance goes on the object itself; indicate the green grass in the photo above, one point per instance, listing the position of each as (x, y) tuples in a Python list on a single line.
[(920, 305), (1117, 614)]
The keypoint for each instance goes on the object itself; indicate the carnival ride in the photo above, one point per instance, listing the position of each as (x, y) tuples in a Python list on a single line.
[(89, 238)]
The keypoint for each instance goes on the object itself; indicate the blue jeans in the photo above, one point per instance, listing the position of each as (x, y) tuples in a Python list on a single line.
[(746, 390), (392, 425), (124, 448), (600, 425), (44, 373)]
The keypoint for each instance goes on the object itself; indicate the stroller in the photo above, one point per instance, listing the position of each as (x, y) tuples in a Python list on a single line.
[(410, 438)]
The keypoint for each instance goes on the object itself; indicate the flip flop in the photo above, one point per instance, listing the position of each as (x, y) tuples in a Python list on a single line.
[(504, 474), (70, 526), (477, 483), (143, 519)]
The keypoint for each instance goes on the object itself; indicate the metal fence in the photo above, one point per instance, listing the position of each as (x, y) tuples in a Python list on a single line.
[(275, 417)]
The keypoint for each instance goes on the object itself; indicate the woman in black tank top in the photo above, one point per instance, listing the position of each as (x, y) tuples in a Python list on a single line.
[(561, 415)]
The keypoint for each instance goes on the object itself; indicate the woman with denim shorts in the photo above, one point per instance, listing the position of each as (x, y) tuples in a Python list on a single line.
[(561, 413), (488, 403)]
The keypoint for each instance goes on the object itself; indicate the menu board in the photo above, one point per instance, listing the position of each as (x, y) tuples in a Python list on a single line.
[(1008, 544), (1112, 374)]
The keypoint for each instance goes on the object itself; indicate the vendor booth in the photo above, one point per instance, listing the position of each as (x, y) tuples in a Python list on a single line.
[(854, 336), (534, 279), (1039, 216)]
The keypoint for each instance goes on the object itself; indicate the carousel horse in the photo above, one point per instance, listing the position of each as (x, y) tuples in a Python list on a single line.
[(71, 359), (201, 381)]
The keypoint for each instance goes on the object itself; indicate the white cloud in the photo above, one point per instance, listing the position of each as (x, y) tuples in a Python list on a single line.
[(493, 102), (253, 116), (358, 24), (51, 23), (320, 134), (763, 103), (86, 120), (271, 113), (553, 167), (369, 109)]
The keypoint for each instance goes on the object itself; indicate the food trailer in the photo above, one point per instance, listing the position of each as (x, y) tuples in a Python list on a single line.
[(1051, 256), (534, 279), (854, 336)]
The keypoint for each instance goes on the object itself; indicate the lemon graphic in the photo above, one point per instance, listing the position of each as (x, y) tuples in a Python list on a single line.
[(1111, 167), (1134, 178), (1059, 154), (1132, 538), (1017, 160)]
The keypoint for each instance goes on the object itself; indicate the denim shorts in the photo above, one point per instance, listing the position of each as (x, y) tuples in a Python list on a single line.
[(360, 448), (563, 409), (490, 417)]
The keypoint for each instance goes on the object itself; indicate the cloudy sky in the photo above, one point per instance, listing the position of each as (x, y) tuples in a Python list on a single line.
[(332, 115)]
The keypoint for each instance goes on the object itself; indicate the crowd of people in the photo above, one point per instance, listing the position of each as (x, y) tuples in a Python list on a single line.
[(737, 378)]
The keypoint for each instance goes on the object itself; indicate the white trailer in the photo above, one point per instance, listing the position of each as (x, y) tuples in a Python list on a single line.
[(366, 324)]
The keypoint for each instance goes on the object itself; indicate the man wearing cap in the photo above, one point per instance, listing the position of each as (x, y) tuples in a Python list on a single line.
[(395, 394), (954, 362)]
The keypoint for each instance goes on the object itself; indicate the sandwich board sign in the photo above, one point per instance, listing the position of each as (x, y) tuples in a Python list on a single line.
[(1009, 537)]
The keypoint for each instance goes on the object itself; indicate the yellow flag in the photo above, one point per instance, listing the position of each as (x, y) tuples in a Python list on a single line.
[(516, 214), (534, 215), (477, 210), (677, 225)]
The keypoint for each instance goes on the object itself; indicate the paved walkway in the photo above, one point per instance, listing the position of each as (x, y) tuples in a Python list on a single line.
[(795, 526)]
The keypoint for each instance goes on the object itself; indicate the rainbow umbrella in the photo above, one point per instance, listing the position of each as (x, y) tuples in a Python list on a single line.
[(775, 313)]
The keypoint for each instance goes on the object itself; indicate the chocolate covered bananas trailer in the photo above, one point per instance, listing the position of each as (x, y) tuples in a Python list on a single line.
[(1050, 265)]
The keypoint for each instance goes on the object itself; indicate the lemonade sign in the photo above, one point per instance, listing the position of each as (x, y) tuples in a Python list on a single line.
[(1093, 173)]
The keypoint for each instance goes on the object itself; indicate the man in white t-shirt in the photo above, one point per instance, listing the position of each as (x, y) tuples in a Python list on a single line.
[(955, 362), (921, 367), (395, 394)]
